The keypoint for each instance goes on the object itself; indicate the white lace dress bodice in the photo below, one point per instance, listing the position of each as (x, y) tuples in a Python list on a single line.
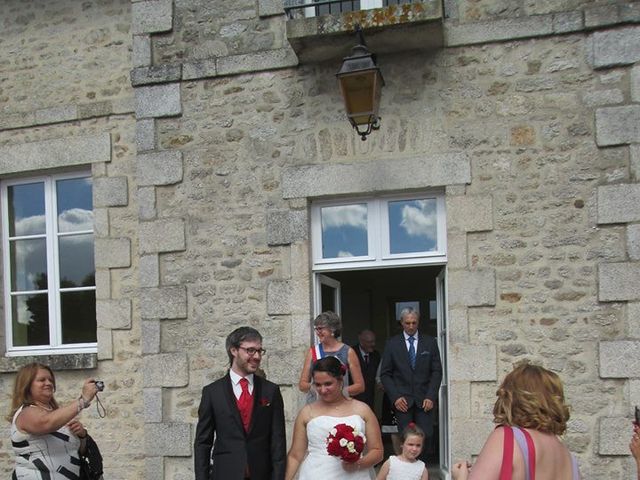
[(318, 464)]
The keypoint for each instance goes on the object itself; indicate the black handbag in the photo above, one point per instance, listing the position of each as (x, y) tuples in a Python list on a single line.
[(91, 461)]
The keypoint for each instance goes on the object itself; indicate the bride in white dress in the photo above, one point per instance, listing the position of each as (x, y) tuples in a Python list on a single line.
[(308, 453)]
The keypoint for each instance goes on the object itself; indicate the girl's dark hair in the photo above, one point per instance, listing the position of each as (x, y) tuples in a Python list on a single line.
[(411, 429), (330, 365)]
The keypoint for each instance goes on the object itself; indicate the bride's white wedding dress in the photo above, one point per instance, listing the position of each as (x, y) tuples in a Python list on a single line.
[(319, 465)]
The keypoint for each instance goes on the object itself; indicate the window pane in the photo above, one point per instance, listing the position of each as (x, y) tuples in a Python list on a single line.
[(26, 209), (338, 7), (344, 231), (76, 261), (30, 320), (413, 226), (28, 264), (75, 206), (78, 316)]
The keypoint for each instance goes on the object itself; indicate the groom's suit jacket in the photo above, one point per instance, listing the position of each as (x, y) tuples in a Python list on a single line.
[(262, 449), (400, 380)]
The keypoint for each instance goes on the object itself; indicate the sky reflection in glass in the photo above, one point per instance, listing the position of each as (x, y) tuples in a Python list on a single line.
[(412, 226), (344, 231)]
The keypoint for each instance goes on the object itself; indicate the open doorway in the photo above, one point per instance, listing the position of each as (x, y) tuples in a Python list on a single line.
[(372, 299)]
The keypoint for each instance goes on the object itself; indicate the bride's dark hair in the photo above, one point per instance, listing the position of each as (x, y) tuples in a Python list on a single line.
[(330, 365)]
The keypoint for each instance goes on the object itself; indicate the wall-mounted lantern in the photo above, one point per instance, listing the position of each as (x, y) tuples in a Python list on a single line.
[(361, 83)]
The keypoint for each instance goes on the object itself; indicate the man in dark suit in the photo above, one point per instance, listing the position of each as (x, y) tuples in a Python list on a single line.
[(411, 373), (244, 413), (369, 361)]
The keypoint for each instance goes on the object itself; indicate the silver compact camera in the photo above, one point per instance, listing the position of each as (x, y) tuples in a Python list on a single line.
[(99, 385)]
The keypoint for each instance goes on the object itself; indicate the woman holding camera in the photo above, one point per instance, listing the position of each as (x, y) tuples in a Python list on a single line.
[(46, 437)]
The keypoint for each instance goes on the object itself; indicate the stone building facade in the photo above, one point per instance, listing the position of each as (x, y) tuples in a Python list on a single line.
[(212, 130)]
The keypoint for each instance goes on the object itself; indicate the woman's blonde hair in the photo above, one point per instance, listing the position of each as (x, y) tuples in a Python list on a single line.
[(22, 387), (532, 397)]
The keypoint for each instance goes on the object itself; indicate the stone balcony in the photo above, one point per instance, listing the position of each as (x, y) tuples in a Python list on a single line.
[(391, 29)]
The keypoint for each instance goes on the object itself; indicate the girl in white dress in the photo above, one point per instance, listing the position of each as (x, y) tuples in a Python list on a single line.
[(406, 466), (308, 455)]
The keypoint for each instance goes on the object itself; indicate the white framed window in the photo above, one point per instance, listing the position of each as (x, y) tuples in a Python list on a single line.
[(342, 6), (389, 230), (48, 263)]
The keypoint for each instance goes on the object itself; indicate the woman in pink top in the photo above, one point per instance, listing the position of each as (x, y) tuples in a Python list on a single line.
[(531, 415)]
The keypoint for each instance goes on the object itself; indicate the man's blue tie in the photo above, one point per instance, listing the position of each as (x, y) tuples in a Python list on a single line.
[(412, 352)]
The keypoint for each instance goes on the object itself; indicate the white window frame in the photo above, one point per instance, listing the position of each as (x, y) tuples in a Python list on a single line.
[(378, 234), (364, 5), (53, 274)]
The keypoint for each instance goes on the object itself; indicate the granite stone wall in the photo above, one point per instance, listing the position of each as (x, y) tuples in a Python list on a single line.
[(208, 141), (66, 103)]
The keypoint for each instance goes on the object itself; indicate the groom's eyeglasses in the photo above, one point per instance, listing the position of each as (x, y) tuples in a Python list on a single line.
[(252, 351)]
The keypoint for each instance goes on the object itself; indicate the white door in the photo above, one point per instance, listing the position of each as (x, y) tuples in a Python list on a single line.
[(327, 295), (443, 404)]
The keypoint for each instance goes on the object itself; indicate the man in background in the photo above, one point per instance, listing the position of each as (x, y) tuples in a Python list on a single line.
[(369, 360)]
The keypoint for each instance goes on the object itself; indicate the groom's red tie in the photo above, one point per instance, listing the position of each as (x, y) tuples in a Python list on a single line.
[(245, 404)]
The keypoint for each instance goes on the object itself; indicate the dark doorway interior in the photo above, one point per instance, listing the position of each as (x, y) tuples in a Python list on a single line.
[(370, 299)]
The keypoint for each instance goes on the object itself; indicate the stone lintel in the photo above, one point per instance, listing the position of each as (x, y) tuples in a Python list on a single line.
[(168, 439), (57, 153), (166, 370), (619, 281), (619, 359), (427, 171), (163, 302)]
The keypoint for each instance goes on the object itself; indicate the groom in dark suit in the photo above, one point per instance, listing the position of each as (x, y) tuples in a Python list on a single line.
[(411, 373), (241, 419)]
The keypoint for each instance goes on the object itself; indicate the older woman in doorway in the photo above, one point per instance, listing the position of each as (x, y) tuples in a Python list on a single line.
[(327, 326)]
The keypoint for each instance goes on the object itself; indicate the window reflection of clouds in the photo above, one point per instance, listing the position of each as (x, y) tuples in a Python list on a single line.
[(419, 219), (345, 216), (75, 219), (30, 258), (34, 225)]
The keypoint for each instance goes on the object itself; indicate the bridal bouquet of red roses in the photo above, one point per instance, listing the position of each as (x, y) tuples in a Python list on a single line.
[(345, 442)]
